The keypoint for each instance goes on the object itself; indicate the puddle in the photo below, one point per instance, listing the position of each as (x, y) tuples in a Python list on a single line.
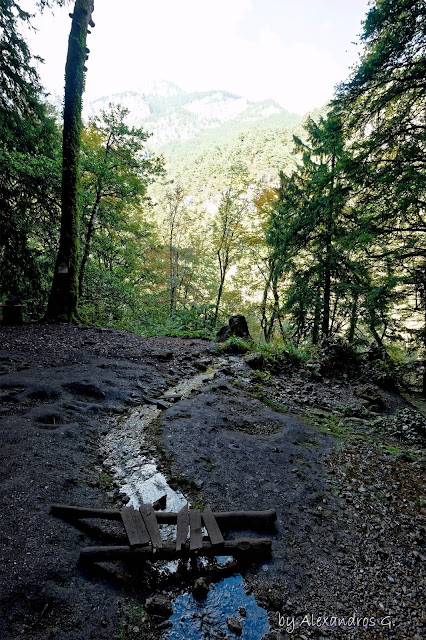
[(206, 619)]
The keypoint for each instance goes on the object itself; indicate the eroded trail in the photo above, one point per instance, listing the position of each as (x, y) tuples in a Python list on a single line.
[(234, 453), (100, 418)]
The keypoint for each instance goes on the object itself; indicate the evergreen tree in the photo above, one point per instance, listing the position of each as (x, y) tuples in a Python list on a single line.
[(29, 167), (306, 227), (384, 106)]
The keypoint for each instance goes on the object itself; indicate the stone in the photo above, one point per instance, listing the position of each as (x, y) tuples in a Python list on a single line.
[(239, 328), (255, 361), (371, 394), (201, 366), (223, 334), (162, 404), (234, 625), (159, 605), (200, 588)]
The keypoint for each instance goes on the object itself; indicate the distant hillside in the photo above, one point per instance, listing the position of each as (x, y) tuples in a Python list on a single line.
[(200, 133), (173, 115)]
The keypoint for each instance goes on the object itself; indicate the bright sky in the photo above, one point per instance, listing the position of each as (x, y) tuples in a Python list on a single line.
[(294, 51)]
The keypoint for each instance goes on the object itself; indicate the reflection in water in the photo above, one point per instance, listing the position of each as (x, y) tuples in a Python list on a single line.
[(206, 619)]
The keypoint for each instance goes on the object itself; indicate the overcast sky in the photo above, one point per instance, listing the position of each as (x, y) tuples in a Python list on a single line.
[(294, 51)]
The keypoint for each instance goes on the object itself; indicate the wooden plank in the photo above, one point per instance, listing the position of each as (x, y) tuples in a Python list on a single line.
[(148, 515), (195, 532), (215, 534), (257, 547), (135, 528), (182, 527), (229, 519)]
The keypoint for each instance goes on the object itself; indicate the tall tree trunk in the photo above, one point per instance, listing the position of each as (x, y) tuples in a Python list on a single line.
[(277, 313), (264, 319), (353, 320), (327, 260), (62, 305), (89, 236), (317, 319), (223, 265)]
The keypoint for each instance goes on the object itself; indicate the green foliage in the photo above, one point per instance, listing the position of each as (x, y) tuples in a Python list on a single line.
[(195, 321), (306, 228), (384, 108), (235, 345), (29, 169), (116, 174), (277, 352)]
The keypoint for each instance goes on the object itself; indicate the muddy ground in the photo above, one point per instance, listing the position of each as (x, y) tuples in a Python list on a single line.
[(346, 482)]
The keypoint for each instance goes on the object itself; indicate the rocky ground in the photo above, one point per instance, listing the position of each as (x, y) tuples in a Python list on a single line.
[(340, 460)]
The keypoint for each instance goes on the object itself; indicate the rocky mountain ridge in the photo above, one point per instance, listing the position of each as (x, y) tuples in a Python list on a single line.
[(172, 114)]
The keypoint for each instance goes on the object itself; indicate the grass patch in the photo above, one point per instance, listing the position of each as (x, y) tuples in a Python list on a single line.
[(273, 404), (339, 426), (106, 479), (396, 451)]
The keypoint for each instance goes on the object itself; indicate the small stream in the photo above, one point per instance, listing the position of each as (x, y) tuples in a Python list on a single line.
[(136, 474)]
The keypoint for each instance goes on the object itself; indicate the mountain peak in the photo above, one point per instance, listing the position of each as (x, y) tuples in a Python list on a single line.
[(159, 88), (171, 114)]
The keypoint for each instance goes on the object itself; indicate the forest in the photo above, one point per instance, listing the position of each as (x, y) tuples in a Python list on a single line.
[(330, 246)]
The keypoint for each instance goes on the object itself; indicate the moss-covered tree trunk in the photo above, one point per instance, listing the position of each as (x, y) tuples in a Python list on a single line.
[(63, 298)]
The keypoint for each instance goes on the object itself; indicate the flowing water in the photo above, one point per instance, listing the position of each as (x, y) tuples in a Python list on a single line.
[(136, 474)]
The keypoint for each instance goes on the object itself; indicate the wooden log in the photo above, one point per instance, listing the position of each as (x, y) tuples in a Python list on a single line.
[(135, 527), (182, 527), (229, 519), (148, 515), (68, 511), (257, 547), (215, 534), (195, 531)]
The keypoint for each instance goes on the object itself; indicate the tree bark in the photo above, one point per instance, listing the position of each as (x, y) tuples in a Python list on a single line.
[(328, 251), (62, 305), (223, 265), (353, 320), (89, 236), (264, 320)]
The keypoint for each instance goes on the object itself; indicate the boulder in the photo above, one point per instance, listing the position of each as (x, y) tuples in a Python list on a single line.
[(255, 361), (237, 326)]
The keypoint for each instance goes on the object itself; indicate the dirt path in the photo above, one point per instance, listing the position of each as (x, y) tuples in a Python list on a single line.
[(349, 528)]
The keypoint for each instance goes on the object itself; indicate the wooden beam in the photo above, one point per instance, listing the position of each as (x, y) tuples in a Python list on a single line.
[(148, 515), (182, 527), (135, 527), (68, 511), (257, 547), (195, 531), (229, 519), (215, 534)]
